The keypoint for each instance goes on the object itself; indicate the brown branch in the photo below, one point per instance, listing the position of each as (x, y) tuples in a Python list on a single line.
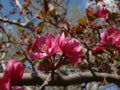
[(46, 8), (88, 59), (14, 42), (62, 80), (16, 22)]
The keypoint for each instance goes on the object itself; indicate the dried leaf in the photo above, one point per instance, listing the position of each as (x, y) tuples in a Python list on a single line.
[(67, 24), (19, 54), (1, 44), (28, 48), (12, 12), (91, 16), (23, 60), (27, 1), (77, 29)]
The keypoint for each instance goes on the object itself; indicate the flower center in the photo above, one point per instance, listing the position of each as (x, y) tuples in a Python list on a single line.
[(44, 47)]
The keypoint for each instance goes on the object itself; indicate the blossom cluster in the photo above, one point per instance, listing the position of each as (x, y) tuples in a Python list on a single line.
[(47, 46), (110, 38)]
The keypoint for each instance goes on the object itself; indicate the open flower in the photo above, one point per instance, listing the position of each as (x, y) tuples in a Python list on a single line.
[(71, 48), (44, 46), (110, 37), (13, 73), (102, 12)]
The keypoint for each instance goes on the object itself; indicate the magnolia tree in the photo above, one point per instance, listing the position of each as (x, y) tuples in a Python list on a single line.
[(40, 47)]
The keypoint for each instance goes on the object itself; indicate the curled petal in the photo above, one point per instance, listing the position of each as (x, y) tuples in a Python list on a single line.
[(15, 70), (71, 48), (13, 73)]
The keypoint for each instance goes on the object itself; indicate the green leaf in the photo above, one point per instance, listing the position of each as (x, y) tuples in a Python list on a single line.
[(41, 25), (114, 16), (52, 12), (117, 62), (43, 14), (42, 61), (106, 53), (82, 21)]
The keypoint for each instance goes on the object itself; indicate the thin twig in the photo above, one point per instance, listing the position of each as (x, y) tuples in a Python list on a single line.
[(15, 22), (13, 42), (29, 61), (5, 32), (88, 59), (23, 10), (45, 82), (98, 32)]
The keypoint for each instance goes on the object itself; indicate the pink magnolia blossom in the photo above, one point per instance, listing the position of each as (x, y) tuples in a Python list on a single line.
[(44, 46), (13, 73), (110, 37), (102, 12), (97, 50), (71, 48)]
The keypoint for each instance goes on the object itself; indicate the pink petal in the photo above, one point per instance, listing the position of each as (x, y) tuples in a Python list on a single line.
[(18, 88), (13, 73)]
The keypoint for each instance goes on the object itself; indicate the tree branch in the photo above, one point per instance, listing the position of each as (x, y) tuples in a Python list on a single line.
[(62, 80), (27, 25)]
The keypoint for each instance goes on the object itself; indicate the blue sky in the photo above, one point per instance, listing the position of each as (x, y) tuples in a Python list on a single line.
[(81, 4), (7, 7), (75, 9)]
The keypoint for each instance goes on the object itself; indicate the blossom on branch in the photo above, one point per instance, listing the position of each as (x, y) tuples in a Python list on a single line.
[(110, 37), (71, 48), (50, 45), (44, 46), (13, 73), (97, 50), (102, 12)]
